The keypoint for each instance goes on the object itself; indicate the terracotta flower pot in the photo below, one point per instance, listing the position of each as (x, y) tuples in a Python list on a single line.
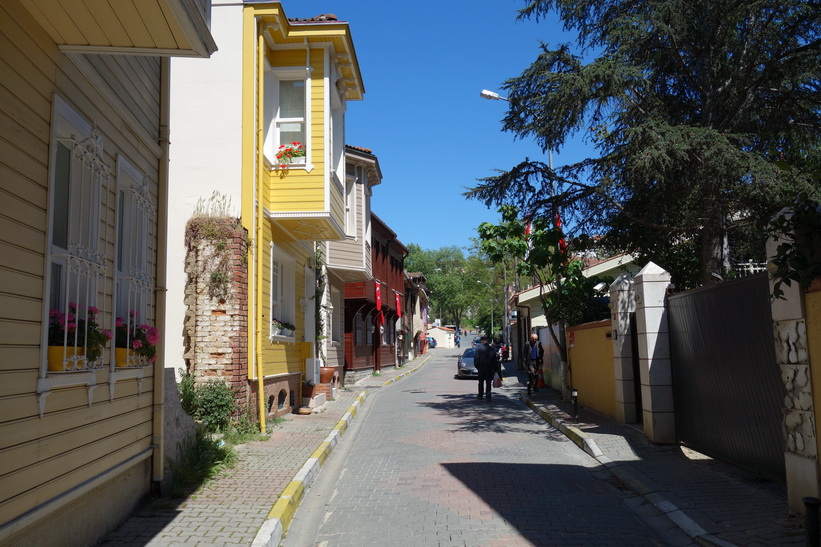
[(326, 375)]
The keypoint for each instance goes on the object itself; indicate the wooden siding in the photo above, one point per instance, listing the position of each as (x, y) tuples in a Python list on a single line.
[(136, 80), (298, 190), (126, 24), (281, 357), (42, 458)]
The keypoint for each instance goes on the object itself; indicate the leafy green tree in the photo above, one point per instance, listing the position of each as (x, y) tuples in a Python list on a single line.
[(449, 279), (704, 116), (566, 295)]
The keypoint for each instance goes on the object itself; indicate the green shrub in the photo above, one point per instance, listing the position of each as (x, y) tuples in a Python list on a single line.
[(215, 405), (188, 394)]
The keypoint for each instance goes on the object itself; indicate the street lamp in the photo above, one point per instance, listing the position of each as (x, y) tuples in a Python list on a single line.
[(493, 96)]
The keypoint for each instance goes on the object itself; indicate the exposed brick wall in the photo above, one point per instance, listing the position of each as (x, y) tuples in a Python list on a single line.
[(216, 320)]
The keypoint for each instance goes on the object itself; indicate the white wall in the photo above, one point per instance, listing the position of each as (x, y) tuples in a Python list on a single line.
[(206, 138)]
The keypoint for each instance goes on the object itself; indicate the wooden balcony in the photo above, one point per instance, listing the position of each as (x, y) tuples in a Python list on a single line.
[(139, 27)]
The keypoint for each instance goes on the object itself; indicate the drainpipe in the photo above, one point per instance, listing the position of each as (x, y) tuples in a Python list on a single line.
[(160, 290), (257, 340)]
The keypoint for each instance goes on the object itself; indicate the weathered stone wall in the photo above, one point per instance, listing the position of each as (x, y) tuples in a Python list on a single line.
[(216, 297), (792, 355)]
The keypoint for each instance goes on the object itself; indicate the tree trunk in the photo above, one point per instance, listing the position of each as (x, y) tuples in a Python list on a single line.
[(715, 251)]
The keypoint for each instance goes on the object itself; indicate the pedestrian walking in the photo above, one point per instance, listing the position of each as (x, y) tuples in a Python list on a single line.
[(487, 364), (534, 367)]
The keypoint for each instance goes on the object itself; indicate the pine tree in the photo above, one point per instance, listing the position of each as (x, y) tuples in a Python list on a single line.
[(704, 115)]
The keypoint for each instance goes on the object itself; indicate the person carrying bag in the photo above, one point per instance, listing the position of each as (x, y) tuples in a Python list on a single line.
[(488, 366)]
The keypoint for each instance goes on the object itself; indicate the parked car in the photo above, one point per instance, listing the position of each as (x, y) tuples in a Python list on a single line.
[(431, 342), (464, 367), (476, 341)]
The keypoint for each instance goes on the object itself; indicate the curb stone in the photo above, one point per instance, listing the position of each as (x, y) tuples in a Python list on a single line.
[(279, 518)]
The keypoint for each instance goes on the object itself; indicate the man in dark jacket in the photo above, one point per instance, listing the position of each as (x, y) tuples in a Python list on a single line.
[(486, 364)]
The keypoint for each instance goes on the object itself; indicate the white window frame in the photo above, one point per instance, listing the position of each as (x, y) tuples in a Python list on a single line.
[(271, 80), (283, 286), (134, 284), (350, 205), (76, 273)]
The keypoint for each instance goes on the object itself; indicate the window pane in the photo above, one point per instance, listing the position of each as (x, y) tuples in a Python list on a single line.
[(62, 177), (291, 132), (56, 289), (121, 240), (292, 99)]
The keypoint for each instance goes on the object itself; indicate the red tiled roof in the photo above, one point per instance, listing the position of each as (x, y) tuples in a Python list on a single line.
[(359, 148), (321, 18)]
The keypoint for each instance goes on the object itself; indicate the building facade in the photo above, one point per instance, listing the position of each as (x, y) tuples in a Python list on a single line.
[(269, 138), (83, 148)]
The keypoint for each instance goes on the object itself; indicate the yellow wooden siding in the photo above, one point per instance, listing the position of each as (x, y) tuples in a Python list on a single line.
[(32, 487), (28, 455), (136, 82), (283, 357), (68, 410), (123, 24), (297, 190), (44, 457)]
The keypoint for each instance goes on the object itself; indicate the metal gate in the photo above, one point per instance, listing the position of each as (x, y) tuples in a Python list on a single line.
[(727, 386)]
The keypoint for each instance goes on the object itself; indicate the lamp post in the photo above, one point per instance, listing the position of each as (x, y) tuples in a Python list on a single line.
[(493, 96)]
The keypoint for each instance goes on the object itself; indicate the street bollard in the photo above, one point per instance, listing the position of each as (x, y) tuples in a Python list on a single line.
[(574, 396), (811, 505)]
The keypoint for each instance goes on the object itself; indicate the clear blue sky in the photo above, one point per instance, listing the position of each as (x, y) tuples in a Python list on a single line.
[(422, 115)]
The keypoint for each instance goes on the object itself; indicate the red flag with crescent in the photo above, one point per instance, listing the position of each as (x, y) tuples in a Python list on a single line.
[(378, 296)]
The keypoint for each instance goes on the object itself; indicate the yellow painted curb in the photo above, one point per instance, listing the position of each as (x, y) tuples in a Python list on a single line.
[(322, 452)]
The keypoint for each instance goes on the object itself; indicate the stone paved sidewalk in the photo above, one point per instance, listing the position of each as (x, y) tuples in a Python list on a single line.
[(243, 506)]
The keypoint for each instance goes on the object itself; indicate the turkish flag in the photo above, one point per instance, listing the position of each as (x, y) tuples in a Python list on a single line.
[(378, 296), (562, 242), (398, 305)]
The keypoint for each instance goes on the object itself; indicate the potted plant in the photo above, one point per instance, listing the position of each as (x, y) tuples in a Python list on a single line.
[(134, 344), (276, 327), (288, 329), (290, 153), (74, 340)]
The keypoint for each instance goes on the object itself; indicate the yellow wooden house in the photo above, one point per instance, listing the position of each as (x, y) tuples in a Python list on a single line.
[(83, 157), (269, 134)]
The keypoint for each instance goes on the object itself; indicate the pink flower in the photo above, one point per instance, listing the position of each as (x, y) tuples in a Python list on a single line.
[(108, 335), (120, 322), (71, 326), (152, 335), (136, 344), (92, 310)]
